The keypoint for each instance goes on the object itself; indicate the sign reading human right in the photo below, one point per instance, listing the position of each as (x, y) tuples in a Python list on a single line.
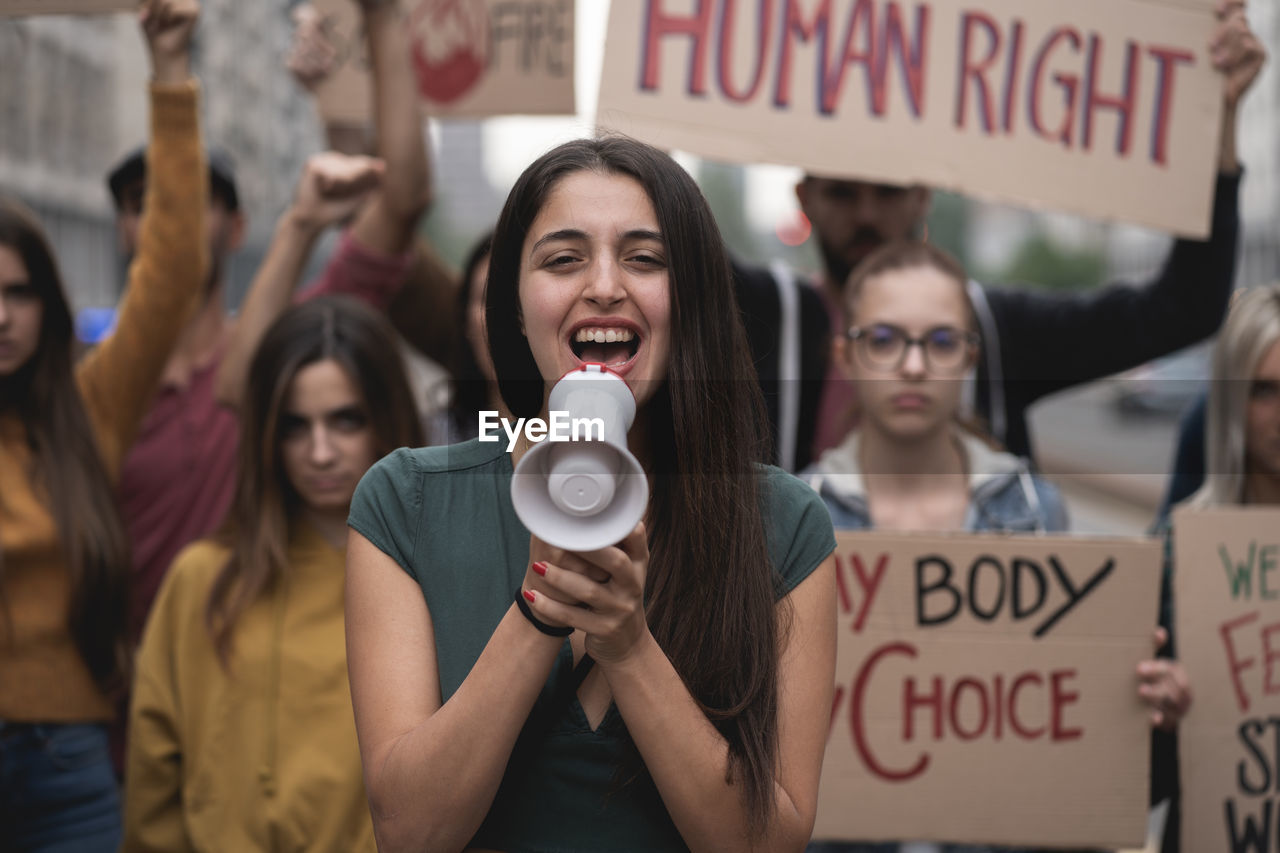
[(1227, 606), (1102, 107)]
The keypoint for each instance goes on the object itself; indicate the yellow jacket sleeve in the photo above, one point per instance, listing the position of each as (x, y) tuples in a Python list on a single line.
[(166, 279)]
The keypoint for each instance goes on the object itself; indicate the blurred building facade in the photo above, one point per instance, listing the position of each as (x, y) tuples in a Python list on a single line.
[(73, 101)]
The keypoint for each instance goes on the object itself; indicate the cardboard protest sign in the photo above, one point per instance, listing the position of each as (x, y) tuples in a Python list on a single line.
[(1105, 108), (986, 690), (471, 58), (1227, 620), (66, 7)]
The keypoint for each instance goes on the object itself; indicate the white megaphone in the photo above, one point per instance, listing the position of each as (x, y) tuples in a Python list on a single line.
[(586, 492)]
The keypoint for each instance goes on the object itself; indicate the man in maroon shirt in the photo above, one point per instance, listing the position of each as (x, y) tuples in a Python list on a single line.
[(177, 480)]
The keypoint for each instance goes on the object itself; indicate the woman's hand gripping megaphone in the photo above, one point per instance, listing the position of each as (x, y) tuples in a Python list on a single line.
[(600, 593)]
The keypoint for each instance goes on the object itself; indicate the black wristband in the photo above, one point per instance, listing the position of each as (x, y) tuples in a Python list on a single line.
[(549, 630)]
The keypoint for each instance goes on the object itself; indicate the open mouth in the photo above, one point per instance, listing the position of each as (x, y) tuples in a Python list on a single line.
[(608, 345)]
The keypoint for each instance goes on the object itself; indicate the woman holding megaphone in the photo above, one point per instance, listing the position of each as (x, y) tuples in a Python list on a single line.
[(667, 692)]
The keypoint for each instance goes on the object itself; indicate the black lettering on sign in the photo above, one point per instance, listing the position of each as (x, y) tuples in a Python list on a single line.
[(1251, 832), (943, 584), (1021, 568), (1250, 732), (990, 614), (1074, 595)]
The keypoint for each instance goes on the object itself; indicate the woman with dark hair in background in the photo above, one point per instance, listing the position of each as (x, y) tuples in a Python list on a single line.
[(473, 386), (63, 431), (711, 626), (241, 731)]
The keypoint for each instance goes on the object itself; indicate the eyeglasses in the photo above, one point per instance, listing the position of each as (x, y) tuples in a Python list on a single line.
[(883, 347), (1264, 391)]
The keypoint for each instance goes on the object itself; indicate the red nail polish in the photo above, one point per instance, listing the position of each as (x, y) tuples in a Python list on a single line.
[(540, 567), (529, 596)]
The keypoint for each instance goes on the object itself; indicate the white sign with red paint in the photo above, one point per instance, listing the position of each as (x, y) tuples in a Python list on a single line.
[(471, 58), (1108, 108)]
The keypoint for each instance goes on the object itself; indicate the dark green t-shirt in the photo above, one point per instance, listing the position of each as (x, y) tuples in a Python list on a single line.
[(445, 515)]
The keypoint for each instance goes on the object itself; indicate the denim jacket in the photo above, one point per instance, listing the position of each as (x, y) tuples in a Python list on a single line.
[(1004, 496)]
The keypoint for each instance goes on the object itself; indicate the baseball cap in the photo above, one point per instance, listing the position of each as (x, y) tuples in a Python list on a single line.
[(133, 168)]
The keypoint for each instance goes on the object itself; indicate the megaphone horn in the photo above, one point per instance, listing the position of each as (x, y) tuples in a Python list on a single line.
[(586, 492)]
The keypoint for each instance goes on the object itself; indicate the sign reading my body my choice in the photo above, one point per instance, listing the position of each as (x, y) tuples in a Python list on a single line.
[(1227, 606), (1101, 107), (986, 690)]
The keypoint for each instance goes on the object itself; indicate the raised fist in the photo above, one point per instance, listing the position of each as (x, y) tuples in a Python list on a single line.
[(168, 26)]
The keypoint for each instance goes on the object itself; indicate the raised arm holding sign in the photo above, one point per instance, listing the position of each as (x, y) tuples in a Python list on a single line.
[(1033, 340)]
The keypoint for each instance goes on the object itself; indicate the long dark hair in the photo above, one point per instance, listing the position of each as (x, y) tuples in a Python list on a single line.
[(257, 531), (711, 589), (67, 470), (470, 387)]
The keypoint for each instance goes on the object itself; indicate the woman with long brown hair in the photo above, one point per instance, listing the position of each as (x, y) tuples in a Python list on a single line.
[(64, 428), (669, 692), (241, 736)]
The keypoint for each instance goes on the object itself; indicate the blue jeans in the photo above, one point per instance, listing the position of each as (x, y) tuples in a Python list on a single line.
[(58, 792)]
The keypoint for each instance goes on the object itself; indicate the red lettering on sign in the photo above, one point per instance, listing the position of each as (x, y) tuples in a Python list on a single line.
[(1059, 698), (1235, 664), (1125, 103), (1011, 77), (659, 25), (1014, 722), (1269, 656), (1167, 60), (856, 717), (1068, 83), (911, 700), (861, 22), (912, 63), (764, 29), (869, 586), (815, 28), (966, 709), (976, 71)]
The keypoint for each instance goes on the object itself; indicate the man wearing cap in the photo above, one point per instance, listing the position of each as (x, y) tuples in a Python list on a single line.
[(177, 481)]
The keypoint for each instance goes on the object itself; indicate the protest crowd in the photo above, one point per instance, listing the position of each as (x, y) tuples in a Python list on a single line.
[(255, 595)]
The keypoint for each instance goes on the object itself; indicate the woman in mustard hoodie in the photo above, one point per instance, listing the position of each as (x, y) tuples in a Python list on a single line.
[(64, 428), (241, 730)]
